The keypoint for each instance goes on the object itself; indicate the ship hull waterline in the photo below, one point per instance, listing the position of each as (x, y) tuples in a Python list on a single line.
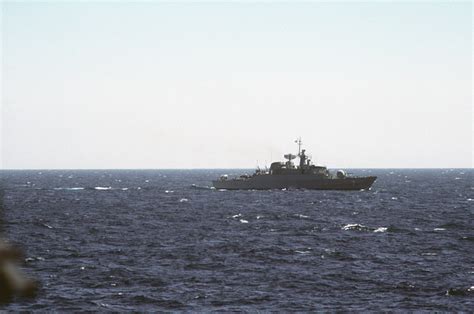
[(309, 182)]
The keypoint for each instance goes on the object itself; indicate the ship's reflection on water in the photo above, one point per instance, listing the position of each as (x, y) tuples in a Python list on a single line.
[(13, 283)]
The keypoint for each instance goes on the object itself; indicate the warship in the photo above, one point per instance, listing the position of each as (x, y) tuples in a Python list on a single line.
[(287, 175)]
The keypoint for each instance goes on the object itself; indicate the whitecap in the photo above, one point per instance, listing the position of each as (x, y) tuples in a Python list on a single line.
[(302, 216), (183, 200), (349, 226), (169, 191), (429, 254), (258, 217), (470, 199), (124, 189), (354, 227), (381, 229), (237, 216), (457, 178), (103, 188), (439, 229), (32, 259), (244, 221), (302, 252), (394, 198), (201, 187)]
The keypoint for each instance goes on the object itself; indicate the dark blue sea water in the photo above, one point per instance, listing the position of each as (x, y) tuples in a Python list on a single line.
[(147, 241)]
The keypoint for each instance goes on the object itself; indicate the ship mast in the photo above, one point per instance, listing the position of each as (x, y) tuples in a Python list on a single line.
[(298, 141)]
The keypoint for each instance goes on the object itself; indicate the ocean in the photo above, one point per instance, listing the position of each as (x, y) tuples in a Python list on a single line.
[(148, 240)]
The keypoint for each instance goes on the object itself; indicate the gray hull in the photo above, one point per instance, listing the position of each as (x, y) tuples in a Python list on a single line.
[(310, 182)]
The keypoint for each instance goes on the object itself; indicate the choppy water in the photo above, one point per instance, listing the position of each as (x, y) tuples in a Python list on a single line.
[(147, 240)]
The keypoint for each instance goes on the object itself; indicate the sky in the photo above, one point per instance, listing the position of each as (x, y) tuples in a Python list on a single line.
[(154, 85)]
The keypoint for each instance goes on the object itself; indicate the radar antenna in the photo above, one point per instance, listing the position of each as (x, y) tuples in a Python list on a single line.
[(298, 141)]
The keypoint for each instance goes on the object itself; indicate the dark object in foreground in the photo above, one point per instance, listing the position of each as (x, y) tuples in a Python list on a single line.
[(306, 175), (12, 281)]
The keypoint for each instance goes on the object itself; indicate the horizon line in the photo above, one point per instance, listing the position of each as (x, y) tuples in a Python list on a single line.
[(87, 169)]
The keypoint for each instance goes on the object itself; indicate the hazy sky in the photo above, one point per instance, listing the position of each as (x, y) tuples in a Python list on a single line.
[(223, 85)]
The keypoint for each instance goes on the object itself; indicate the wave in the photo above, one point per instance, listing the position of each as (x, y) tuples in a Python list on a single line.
[(363, 228), (103, 188), (460, 291), (202, 187), (357, 227), (96, 188)]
